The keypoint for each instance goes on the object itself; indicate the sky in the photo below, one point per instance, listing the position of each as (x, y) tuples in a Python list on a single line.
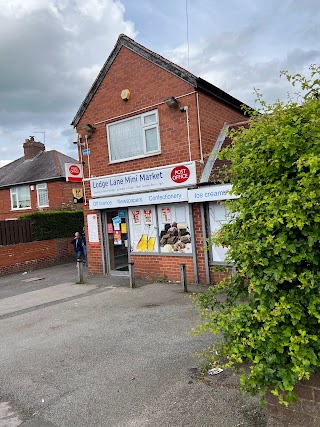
[(51, 51)]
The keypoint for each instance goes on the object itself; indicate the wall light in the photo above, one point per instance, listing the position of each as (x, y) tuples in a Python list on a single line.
[(171, 102), (88, 128)]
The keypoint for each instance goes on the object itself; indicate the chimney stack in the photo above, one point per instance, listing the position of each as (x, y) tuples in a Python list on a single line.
[(32, 148)]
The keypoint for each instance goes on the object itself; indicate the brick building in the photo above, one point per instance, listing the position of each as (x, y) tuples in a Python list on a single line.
[(146, 129), (37, 182)]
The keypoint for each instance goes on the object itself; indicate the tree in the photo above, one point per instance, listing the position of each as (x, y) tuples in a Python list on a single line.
[(269, 318)]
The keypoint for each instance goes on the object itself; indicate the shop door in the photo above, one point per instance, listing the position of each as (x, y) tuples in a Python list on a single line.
[(118, 240)]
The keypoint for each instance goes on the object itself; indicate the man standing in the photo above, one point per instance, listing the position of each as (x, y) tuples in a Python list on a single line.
[(78, 246)]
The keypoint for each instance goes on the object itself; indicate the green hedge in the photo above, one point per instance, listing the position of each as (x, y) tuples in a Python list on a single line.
[(55, 224)]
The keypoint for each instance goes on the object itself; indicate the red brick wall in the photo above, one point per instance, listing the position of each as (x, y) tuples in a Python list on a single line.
[(94, 250), (219, 273), (59, 193), (213, 115), (305, 412), (162, 267), (151, 85), (34, 255), (200, 244), (148, 85)]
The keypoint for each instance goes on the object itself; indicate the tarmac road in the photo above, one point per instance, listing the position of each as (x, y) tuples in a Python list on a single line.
[(103, 355)]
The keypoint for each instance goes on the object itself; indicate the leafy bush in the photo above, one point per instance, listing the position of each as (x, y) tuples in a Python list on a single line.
[(55, 224), (268, 312)]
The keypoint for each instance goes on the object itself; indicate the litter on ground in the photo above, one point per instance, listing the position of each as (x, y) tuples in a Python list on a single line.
[(215, 371)]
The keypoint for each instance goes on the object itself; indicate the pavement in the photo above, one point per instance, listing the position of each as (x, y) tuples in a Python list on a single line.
[(100, 354)]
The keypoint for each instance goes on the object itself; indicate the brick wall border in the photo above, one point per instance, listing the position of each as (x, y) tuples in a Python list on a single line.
[(303, 413), (34, 255)]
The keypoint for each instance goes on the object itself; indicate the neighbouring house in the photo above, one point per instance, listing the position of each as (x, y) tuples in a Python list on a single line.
[(148, 134), (37, 182)]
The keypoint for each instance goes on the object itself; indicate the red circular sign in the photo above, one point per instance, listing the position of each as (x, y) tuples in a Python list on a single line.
[(74, 170), (180, 174)]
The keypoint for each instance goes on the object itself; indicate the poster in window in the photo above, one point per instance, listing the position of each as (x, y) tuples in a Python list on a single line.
[(165, 215), (136, 217), (110, 228), (147, 216), (175, 235), (93, 228), (144, 234), (117, 237)]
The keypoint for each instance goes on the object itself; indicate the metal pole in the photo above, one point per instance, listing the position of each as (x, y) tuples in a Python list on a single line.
[(80, 271), (183, 273), (131, 275)]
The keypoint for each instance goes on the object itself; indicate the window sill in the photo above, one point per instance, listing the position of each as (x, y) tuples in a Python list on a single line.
[(222, 263), (20, 209), (160, 254), (111, 162)]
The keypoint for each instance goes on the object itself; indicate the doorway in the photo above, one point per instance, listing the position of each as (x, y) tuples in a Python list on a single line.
[(117, 241)]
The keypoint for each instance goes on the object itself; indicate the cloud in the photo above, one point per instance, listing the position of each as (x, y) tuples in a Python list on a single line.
[(250, 53), (53, 51)]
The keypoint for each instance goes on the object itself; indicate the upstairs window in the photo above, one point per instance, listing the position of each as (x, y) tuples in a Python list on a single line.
[(20, 197), (42, 195), (134, 138)]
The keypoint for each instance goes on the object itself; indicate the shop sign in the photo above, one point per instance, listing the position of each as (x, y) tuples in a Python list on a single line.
[(210, 194), (160, 178), (74, 172), (154, 198)]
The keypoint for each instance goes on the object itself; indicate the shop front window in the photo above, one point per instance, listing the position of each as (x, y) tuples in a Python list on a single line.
[(174, 226), (143, 228), (219, 215), (164, 229)]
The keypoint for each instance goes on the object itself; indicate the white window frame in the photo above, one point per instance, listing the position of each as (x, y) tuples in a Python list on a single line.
[(144, 128), (15, 191), (214, 228), (42, 186)]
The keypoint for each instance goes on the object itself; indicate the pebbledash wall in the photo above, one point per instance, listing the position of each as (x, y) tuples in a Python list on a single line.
[(34, 255), (202, 122)]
